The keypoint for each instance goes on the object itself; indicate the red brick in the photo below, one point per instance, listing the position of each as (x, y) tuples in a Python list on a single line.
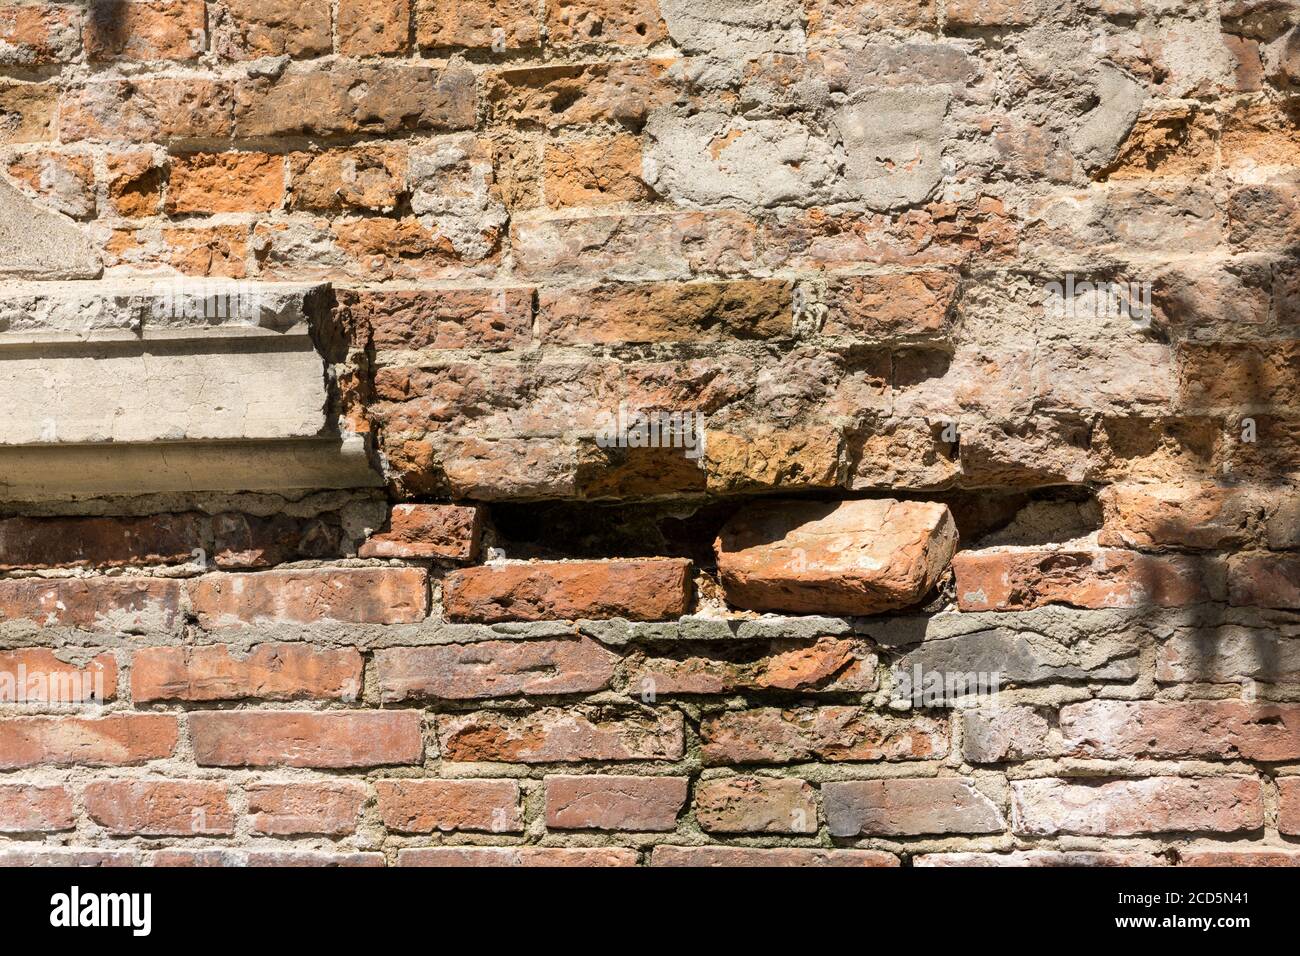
[(160, 807), (756, 805), (912, 305), (1199, 516), (493, 669), (428, 531), (267, 672), (1023, 579), (1038, 858), (251, 541), (1132, 807), (373, 27), (35, 675), (1226, 729), (330, 739), (423, 806), (602, 802), (1264, 580), (144, 30), (31, 808), (666, 312), (444, 318), (225, 182), (829, 664), (1288, 810), (114, 741), (93, 604), (552, 735), (639, 590), (32, 543), (474, 24), (515, 856), (67, 858), (291, 809), (255, 28), (908, 808), (770, 735), (350, 596), (1231, 855), (725, 856), (38, 34), (278, 858)]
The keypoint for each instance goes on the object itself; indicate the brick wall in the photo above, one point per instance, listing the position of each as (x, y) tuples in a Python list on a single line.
[(966, 531)]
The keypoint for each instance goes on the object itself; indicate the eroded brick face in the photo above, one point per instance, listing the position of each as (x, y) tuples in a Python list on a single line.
[(805, 433)]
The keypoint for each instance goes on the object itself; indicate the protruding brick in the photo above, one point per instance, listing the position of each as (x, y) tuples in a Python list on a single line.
[(770, 735), (31, 808), (639, 590), (727, 856), (1016, 580), (552, 735), (145, 30), (1216, 729), (423, 806), (428, 531), (756, 805), (267, 672), (292, 809), (352, 596), (117, 740), (327, 739), (850, 557), (494, 669), (908, 808), (92, 604), (603, 802), (515, 856), (160, 807), (1132, 807)]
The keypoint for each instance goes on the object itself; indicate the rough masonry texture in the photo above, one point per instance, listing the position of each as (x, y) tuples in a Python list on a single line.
[(662, 433)]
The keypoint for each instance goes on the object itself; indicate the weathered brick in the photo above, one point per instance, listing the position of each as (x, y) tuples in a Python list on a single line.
[(33, 543), (750, 460), (829, 664), (423, 806), (329, 739), (1039, 858), (1264, 580), (990, 13), (553, 735), (756, 805), (285, 858), (30, 808), (112, 741), (93, 604), (1244, 856), (292, 809), (428, 531), (373, 27), (225, 182), (27, 112), (493, 669), (555, 97), (1015, 580), (1204, 517), (850, 557), (603, 802), (356, 99), (35, 675), (1131, 807), (1002, 734), (770, 735), (355, 596), (444, 319), (666, 312), (622, 23), (33, 35), (593, 172), (62, 181), (267, 672), (252, 541), (498, 24), (249, 29), (1228, 654), (335, 180), (639, 590), (515, 856), (65, 858), (209, 250), (908, 808), (727, 856), (1227, 729), (146, 110), (1288, 806), (134, 183), (828, 19), (144, 30), (160, 807), (897, 306)]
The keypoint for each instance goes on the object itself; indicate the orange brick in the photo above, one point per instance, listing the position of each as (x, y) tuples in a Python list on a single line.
[(115, 740), (145, 30), (225, 182), (293, 809), (160, 807), (422, 806), (268, 672)]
